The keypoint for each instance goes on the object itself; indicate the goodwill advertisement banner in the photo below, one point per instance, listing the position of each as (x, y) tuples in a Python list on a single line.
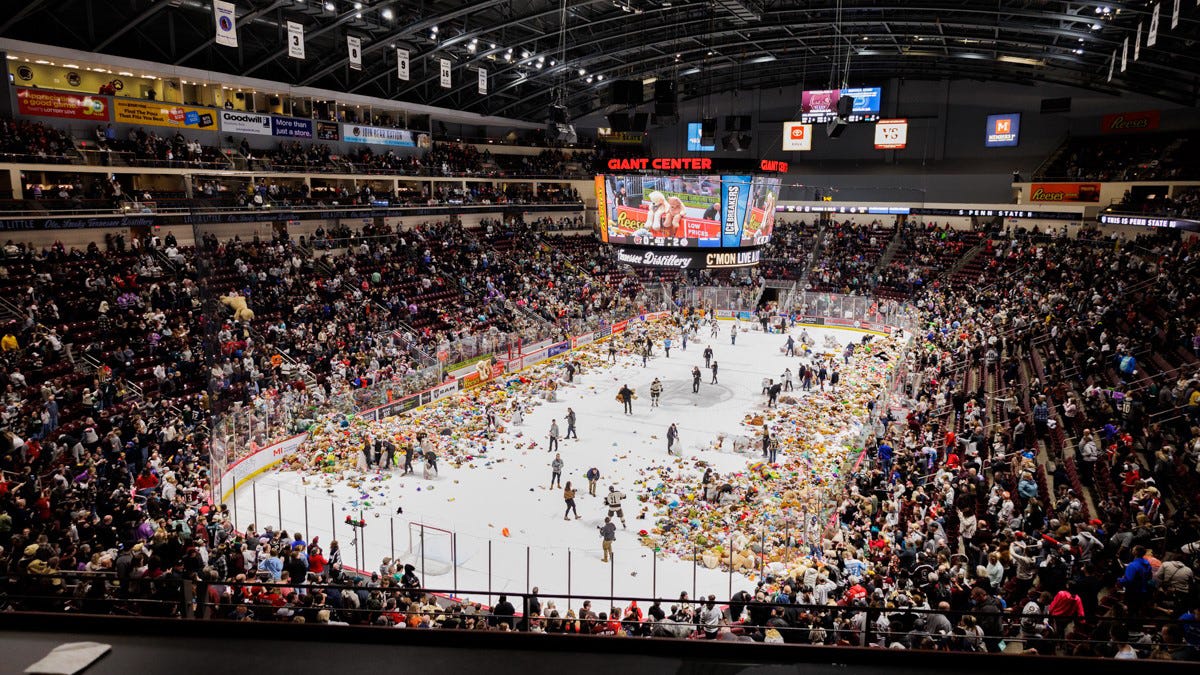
[(239, 122), (149, 113), (41, 103), (354, 133), (290, 127)]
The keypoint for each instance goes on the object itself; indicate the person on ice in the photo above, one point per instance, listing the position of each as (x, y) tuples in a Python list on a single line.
[(625, 396), (613, 501), (569, 498), (556, 468), (656, 388), (608, 534), (593, 477), (571, 433)]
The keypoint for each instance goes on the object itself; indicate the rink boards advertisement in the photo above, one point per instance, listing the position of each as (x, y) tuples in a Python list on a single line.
[(261, 460)]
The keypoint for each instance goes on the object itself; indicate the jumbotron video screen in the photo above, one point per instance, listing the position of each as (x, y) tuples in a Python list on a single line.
[(694, 211)]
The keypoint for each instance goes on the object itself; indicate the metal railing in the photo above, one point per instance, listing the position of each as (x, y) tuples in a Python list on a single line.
[(386, 601)]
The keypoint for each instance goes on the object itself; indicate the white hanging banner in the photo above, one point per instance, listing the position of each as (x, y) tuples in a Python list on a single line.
[(1152, 36), (483, 80), (1124, 54), (1137, 43), (1112, 64), (226, 15), (402, 64), (1175, 15), (354, 46), (445, 73), (295, 40)]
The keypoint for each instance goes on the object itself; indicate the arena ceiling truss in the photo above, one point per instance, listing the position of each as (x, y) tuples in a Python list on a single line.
[(706, 47)]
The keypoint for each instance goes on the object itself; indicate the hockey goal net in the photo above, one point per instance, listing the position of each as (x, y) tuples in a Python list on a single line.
[(431, 549)]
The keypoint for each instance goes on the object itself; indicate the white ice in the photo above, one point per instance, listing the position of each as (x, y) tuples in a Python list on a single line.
[(560, 557)]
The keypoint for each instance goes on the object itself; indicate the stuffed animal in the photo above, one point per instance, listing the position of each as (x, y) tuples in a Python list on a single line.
[(238, 304)]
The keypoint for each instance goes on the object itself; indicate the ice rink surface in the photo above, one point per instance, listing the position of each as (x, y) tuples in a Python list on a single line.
[(508, 489)]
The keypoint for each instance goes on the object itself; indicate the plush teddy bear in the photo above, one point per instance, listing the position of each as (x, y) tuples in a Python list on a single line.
[(238, 304)]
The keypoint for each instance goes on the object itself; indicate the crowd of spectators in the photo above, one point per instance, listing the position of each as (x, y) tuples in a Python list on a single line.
[(925, 250), (26, 139), (1033, 484), (1136, 157), (1183, 203), (849, 257)]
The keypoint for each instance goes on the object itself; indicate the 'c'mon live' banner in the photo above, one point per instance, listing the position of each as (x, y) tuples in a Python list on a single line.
[(43, 103), (163, 115)]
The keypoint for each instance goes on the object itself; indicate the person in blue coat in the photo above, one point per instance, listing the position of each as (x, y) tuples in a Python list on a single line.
[(1137, 581)]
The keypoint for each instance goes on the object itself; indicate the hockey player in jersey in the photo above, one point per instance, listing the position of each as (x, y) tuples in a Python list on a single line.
[(613, 501)]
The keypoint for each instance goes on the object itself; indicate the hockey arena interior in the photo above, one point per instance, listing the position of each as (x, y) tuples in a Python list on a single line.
[(519, 335)]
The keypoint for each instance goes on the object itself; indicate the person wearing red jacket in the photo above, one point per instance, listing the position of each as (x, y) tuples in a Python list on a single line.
[(1065, 608), (316, 559)]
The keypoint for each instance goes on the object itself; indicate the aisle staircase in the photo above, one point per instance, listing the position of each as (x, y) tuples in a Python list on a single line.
[(818, 243)]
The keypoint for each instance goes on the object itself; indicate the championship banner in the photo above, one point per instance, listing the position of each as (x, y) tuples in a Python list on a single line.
[(354, 47), (1064, 192), (891, 134), (1124, 54), (245, 123), (797, 137), (42, 103), (1152, 36), (402, 64), (1111, 64), (1142, 120), (163, 115), (1137, 43), (295, 40), (1175, 15), (226, 17), (445, 73), (483, 81)]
